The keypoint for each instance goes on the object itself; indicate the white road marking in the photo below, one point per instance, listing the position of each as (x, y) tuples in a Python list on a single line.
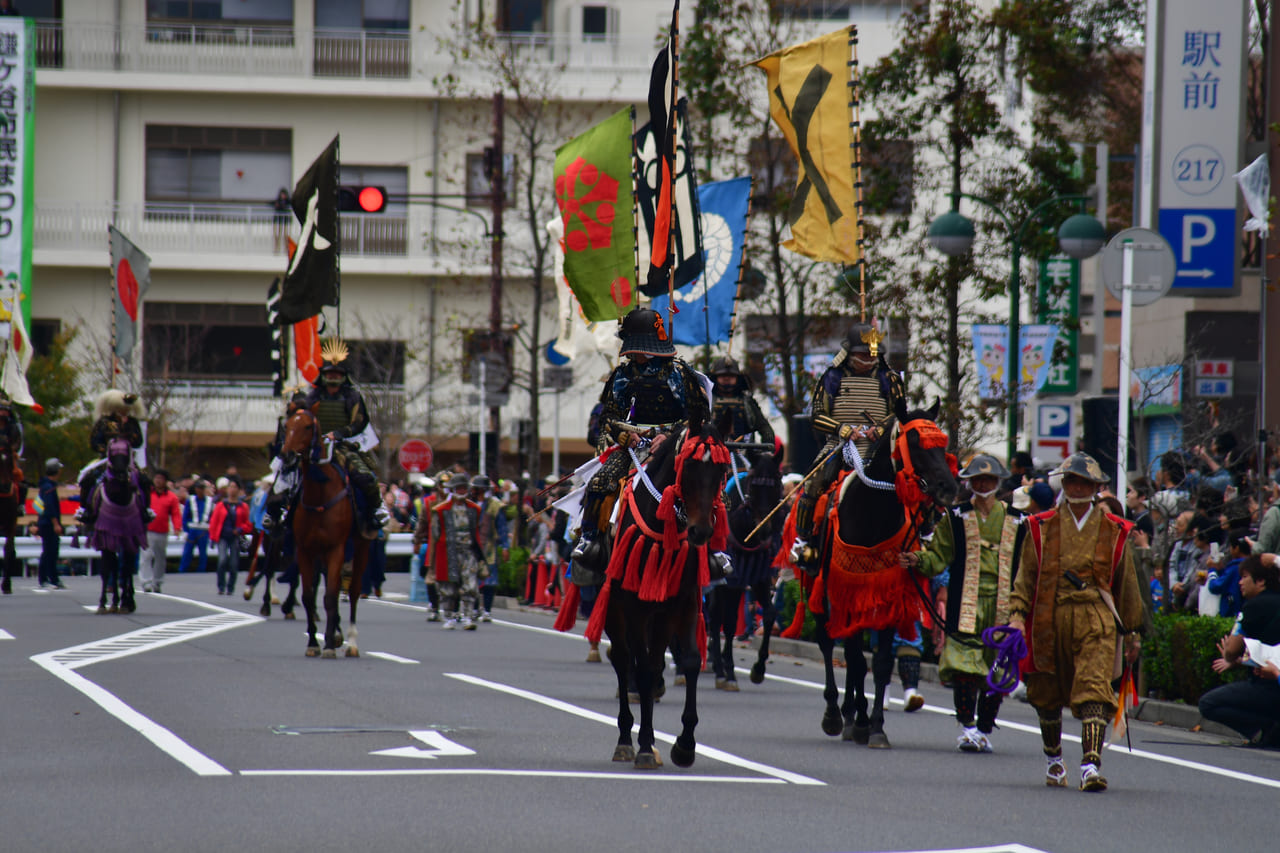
[(440, 746), (531, 774), (5, 635), (63, 663), (709, 752), (391, 657)]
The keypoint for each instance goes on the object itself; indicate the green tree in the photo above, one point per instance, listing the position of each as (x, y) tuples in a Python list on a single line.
[(62, 430)]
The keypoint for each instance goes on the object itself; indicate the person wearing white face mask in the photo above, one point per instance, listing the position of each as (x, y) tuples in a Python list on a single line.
[(1076, 592), (980, 547)]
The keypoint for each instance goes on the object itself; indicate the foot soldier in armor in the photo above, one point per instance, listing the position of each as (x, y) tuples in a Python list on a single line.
[(853, 399), (118, 415), (341, 417), (732, 394), (652, 389)]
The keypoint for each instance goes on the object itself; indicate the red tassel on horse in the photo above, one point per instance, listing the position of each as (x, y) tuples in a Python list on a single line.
[(595, 625), (568, 615)]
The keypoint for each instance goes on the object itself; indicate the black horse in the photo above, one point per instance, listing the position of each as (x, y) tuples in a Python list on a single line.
[(119, 532), (671, 520), (10, 508), (749, 500), (871, 517)]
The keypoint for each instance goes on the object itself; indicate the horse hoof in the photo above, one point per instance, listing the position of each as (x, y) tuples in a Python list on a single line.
[(857, 733), (831, 723), (102, 609), (624, 752), (679, 681), (313, 651), (757, 673), (878, 741), (353, 652), (115, 608), (275, 600), (647, 760), (681, 756), (264, 610), (290, 616), (329, 653), (593, 656), (338, 639), (128, 608), (247, 593), (730, 687)]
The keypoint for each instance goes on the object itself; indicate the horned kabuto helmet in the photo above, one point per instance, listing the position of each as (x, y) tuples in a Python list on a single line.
[(981, 465), (863, 339), (333, 352), (1082, 465), (642, 333), (726, 365)]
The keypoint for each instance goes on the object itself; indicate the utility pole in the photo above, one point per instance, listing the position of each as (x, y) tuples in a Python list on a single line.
[(497, 185)]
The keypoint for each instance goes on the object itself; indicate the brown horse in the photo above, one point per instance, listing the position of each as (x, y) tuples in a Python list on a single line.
[(10, 506), (323, 521)]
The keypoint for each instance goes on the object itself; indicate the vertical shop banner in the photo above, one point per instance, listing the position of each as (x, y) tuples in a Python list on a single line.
[(991, 358), (1058, 302), (1200, 91), (17, 129)]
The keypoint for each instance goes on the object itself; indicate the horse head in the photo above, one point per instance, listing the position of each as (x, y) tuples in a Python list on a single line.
[(301, 437), (699, 461), (925, 470), (761, 492), (119, 457)]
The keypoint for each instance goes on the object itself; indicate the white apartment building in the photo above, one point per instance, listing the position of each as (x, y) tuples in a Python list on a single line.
[(180, 120)]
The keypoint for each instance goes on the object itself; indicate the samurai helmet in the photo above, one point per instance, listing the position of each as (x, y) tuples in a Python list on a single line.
[(1082, 465), (333, 352), (480, 481), (459, 481), (726, 365), (863, 339), (642, 333), (983, 464), (116, 402)]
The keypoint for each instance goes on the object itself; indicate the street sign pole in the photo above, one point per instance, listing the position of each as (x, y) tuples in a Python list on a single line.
[(555, 443), (482, 420), (1126, 353)]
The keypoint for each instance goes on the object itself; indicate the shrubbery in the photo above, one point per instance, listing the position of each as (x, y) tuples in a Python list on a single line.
[(1177, 656)]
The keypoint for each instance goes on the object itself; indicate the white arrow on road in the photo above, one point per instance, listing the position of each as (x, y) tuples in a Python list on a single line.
[(1195, 273), (438, 743)]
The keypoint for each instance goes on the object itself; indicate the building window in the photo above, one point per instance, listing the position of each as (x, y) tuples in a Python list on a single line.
[(366, 15), (815, 10), (217, 165), (478, 180), (383, 233), (186, 341), (596, 23), (355, 39), (215, 11), (42, 334), (887, 177), (521, 16)]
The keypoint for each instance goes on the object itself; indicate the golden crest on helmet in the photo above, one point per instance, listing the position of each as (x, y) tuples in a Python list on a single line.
[(333, 350), (872, 338)]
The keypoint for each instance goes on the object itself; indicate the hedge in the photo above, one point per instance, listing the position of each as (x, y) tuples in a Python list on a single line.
[(1178, 655)]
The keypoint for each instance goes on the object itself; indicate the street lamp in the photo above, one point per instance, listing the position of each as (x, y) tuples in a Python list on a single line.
[(1081, 236)]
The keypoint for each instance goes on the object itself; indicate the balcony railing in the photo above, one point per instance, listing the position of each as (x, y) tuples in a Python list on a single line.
[(247, 230), (275, 51)]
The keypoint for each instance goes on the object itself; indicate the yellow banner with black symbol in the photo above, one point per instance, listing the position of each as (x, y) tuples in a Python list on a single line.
[(811, 88)]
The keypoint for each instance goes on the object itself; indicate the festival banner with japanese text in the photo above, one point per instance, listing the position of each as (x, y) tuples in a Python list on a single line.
[(1058, 302), (17, 156), (593, 191)]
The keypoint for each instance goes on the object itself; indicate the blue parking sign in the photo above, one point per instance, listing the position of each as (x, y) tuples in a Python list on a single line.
[(1205, 247)]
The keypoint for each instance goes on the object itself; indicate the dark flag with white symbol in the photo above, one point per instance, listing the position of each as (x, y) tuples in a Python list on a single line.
[(662, 116), (685, 225), (277, 338), (812, 90), (710, 297), (313, 279), (131, 276)]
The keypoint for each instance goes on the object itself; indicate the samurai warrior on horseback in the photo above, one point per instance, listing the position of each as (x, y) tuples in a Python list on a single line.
[(118, 416)]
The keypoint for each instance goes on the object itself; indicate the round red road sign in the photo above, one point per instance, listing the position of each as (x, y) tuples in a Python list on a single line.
[(415, 456)]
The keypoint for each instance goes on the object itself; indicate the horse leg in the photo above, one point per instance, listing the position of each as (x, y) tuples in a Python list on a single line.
[(831, 720), (332, 589), (641, 641), (10, 560), (882, 673), (857, 727), (125, 583), (714, 653), (763, 594), (309, 568), (620, 658), (106, 572), (683, 751), (728, 625), (359, 562)]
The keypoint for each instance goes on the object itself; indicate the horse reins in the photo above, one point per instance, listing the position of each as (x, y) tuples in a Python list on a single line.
[(314, 458)]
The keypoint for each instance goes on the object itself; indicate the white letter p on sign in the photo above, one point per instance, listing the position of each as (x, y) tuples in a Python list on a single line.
[(1190, 239)]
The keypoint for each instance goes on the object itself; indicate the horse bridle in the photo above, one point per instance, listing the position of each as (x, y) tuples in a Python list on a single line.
[(314, 459)]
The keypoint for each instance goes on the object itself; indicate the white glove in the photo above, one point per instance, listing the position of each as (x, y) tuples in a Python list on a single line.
[(797, 550)]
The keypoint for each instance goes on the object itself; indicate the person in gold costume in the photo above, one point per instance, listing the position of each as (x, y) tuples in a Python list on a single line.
[(1075, 596)]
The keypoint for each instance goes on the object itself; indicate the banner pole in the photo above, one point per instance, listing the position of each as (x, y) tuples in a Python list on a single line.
[(635, 211), (855, 167), (670, 146), (742, 255)]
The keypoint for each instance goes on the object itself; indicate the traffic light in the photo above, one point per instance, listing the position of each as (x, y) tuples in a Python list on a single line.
[(362, 198)]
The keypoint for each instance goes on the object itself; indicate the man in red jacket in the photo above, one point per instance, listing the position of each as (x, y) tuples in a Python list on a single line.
[(230, 521), (166, 510)]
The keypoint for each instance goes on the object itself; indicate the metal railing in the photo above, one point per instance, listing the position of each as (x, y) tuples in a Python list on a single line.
[(281, 51)]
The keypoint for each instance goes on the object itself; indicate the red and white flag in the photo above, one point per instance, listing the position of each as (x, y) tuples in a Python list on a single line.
[(130, 276)]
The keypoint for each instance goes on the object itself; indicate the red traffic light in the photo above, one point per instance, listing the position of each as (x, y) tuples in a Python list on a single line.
[(362, 199)]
